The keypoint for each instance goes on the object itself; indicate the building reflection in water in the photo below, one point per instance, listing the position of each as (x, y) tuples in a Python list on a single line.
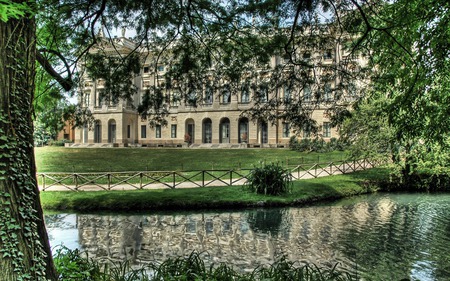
[(355, 234), (242, 239)]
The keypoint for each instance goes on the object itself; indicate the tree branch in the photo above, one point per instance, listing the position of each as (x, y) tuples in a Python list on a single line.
[(66, 83)]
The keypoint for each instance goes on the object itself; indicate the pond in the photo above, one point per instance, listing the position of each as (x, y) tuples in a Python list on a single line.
[(377, 237)]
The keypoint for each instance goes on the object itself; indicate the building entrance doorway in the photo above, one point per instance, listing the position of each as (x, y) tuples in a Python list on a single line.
[(112, 131), (189, 136), (243, 130), (207, 131), (225, 130), (97, 132), (264, 133)]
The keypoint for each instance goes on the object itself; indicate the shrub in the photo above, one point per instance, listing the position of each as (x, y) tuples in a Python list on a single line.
[(270, 179), (71, 265), (317, 144), (58, 142)]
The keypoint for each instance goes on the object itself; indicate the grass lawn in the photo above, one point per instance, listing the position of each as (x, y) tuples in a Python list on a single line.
[(304, 192), (60, 159)]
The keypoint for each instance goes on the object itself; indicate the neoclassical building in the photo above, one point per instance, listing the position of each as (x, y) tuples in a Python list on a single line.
[(215, 121)]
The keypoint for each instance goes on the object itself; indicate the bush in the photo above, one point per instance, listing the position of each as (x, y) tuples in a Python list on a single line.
[(58, 142), (270, 179), (316, 144), (71, 265)]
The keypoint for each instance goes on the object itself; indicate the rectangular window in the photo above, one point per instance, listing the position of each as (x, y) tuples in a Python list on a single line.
[(191, 98), (286, 130), (287, 94), (245, 96), (307, 94), (143, 131), (158, 131), (175, 101), (226, 96), (129, 131), (328, 54), (160, 68), (208, 95), (146, 69), (263, 94), (328, 95), (173, 131), (87, 99), (326, 130)]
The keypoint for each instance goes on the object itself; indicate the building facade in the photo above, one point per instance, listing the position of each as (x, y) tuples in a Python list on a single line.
[(217, 120)]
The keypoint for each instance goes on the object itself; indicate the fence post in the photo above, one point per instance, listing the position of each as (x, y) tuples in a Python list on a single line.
[(140, 180), (43, 182), (203, 178), (174, 179), (109, 181), (76, 181), (231, 177)]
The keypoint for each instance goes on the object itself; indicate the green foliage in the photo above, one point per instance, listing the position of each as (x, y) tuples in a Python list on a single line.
[(406, 113), (50, 120), (367, 129), (118, 74), (58, 142), (72, 266), (13, 10), (317, 145), (270, 179)]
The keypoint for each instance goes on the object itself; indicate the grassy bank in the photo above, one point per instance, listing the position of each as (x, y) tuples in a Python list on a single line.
[(60, 159), (303, 192)]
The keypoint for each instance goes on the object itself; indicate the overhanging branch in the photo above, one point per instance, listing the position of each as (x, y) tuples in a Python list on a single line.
[(66, 83)]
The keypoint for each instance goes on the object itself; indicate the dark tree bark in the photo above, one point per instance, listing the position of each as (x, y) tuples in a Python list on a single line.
[(24, 247)]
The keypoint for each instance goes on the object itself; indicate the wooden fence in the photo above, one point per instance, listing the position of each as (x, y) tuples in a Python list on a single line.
[(183, 179)]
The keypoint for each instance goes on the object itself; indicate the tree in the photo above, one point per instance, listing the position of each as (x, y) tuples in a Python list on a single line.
[(191, 36), (24, 247), (52, 118), (408, 46)]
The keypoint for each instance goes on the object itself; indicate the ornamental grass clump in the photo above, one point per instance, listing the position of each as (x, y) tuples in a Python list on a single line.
[(72, 265), (271, 179)]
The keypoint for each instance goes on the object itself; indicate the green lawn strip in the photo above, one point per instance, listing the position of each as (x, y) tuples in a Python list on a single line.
[(81, 160), (304, 192)]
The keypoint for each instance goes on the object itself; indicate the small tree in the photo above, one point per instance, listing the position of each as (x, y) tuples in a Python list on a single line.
[(270, 179)]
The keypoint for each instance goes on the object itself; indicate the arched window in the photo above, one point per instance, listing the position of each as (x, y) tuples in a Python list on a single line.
[(189, 135), (224, 130), (243, 130), (207, 130)]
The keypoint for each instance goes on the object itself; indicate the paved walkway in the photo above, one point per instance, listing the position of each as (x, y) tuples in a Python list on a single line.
[(314, 171)]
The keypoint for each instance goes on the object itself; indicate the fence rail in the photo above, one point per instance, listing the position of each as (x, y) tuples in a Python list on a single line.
[(184, 179)]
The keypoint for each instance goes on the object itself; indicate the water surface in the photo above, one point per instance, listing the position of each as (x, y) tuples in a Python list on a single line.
[(376, 237)]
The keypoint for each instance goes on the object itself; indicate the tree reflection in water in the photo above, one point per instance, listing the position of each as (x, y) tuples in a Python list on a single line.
[(389, 237)]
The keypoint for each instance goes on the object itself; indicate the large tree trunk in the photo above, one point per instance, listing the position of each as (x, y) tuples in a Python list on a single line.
[(24, 248)]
